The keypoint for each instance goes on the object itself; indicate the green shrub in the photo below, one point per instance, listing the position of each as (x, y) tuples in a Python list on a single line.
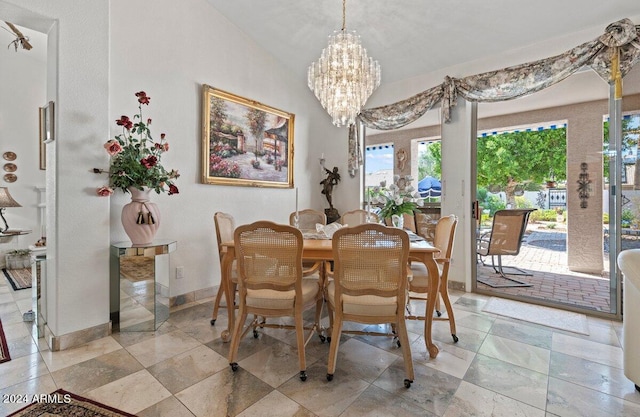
[(605, 218), (523, 203), (543, 216)]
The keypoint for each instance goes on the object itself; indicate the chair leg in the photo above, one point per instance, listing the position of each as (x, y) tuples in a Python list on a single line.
[(333, 348), (235, 339), (216, 304), (300, 343), (444, 293), (401, 328)]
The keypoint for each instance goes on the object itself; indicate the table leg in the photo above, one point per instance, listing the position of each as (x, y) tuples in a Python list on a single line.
[(434, 286), (225, 282)]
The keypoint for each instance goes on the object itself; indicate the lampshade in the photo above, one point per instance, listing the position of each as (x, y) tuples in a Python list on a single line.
[(6, 200), (344, 76)]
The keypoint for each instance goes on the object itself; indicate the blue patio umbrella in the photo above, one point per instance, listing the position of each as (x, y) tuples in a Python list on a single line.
[(429, 187)]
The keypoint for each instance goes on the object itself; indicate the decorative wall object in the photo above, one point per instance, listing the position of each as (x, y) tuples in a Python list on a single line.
[(245, 142), (584, 185), (47, 134), (9, 156), (42, 144)]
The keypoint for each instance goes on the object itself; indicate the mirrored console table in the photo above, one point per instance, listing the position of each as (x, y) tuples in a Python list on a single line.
[(135, 300)]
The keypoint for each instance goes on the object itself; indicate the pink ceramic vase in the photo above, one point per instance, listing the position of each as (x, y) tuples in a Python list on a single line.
[(140, 217)]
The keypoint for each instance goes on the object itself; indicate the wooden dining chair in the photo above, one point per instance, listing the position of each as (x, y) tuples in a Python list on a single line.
[(271, 284), (225, 226), (357, 217), (369, 285), (444, 235), (307, 219)]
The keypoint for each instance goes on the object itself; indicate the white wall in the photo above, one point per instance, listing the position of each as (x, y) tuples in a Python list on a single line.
[(22, 92), (184, 45)]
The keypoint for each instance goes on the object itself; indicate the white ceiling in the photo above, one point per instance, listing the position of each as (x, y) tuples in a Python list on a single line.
[(418, 42), (413, 37)]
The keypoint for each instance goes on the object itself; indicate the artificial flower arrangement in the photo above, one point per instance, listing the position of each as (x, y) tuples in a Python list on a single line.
[(135, 157), (398, 198)]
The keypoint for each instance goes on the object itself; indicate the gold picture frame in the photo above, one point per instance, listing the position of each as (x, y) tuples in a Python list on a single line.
[(244, 142)]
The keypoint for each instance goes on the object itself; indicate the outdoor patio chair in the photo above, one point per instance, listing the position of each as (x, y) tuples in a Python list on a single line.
[(504, 239)]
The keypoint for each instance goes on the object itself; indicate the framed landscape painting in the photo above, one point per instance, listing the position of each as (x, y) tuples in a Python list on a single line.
[(245, 142)]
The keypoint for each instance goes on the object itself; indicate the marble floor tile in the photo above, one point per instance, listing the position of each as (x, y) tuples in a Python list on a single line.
[(586, 349), (472, 400), (451, 359), (276, 404), (152, 351), (185, 369), (529, 333), (64, 358), (275, 364), (132, 394), (607, 379), (518, 383), (17, 396), (487, 373), (362, 360), (482, 322), (22, 369), (570, 400), (234, 392), (516, 353), (322, 397), (169, 407), (93, 373), (377, 402), (431, 389)]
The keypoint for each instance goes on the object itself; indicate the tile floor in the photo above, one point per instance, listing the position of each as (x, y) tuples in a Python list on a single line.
[(500, 367)]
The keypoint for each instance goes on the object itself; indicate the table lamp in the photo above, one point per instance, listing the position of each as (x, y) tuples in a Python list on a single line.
[(6, 201)]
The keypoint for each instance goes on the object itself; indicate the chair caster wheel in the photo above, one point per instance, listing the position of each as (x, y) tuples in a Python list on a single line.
[(329, 339), (455, 338), (255, 334), (329, 377), (213, 322), (303, 375), (322, 338), (234, 366), (637, 387), (398, 343), (407, 383), (438, 313)]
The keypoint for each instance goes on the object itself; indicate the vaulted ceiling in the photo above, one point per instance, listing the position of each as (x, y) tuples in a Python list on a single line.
[(411, 38)]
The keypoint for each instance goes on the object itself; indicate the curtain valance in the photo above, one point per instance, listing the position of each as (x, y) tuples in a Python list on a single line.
[(621, 39)]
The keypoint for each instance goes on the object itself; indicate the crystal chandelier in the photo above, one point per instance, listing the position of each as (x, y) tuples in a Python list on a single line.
[(344, 76)]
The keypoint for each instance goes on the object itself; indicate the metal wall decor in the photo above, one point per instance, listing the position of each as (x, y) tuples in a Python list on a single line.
[(584, 185)]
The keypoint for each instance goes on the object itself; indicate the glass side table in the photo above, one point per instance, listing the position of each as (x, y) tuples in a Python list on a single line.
[(135, 299)]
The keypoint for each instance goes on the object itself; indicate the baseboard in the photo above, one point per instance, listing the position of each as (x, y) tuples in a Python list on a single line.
[(192, 296), (77, 338)]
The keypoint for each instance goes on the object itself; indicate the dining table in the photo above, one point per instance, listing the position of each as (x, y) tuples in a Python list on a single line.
[(321, 249)]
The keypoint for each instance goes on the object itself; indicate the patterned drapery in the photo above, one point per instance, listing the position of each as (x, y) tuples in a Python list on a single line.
[(621, 37)]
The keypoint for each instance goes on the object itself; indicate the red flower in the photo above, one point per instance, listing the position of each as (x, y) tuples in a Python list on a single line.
[(173, 189), (104, 191), (124, 121), (148, 121), (142, 97), (149, 162), (113, 147), (162, 135)]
